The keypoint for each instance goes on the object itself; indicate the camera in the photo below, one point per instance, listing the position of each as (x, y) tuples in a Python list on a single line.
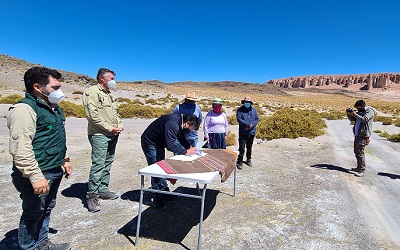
[(349, 110)]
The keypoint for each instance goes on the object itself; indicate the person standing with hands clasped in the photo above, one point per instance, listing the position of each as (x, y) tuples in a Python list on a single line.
[(247, 118), (104, 127), (38, 147), (362, 129), (216, 126)]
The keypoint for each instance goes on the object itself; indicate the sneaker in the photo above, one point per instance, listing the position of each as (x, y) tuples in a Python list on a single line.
[(159, 205), (93, 204), (48, 245), (359, 173), (108, 195), (354, 170), (248, 163), (239, 165)]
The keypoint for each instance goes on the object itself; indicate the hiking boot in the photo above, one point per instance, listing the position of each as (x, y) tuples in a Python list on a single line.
[(108, 195), (359, 173), (239, 165), (93, 204), (248, 163), (48, 245), (159, 205)]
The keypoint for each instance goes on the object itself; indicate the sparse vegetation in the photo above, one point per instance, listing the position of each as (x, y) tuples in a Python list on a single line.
[(391, 137), (397, 122), (230, 139), (333, 115), (386, 120), (77, 92), (289, 123), (141, 111), (232, 119), (11, 99), (72, 109)]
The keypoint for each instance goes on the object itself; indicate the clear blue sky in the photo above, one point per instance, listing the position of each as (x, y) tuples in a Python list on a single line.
[(208, 40)]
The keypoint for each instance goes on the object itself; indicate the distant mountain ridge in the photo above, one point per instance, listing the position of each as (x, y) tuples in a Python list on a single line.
[(12, 70)]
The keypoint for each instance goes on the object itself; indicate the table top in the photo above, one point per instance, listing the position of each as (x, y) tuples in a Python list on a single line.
[(156, 171)]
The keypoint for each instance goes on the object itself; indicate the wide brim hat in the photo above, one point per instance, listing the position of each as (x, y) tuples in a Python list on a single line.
[(217, 101), (191, 96), (247, 99)]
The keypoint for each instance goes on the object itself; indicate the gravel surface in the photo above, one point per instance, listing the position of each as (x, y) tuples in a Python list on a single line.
[(298, 195)]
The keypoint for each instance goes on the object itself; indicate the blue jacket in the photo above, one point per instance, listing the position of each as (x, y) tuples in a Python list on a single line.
[(245, 117), (184, 109)]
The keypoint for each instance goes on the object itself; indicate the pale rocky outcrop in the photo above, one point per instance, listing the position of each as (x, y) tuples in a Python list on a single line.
[(365, 81)]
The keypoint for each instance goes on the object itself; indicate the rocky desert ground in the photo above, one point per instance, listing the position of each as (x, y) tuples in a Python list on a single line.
[(298, 195)]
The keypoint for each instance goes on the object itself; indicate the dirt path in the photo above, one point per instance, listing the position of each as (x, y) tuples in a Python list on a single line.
[(377, 194), (298, 195)]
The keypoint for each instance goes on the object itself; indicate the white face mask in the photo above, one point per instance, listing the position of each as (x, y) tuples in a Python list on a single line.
[(112, 85), (56, 96)]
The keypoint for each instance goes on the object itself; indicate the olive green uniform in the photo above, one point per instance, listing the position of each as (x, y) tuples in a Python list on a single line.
[(101, 110)]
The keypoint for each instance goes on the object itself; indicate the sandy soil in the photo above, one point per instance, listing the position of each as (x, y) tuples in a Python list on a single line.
[(298, 195)]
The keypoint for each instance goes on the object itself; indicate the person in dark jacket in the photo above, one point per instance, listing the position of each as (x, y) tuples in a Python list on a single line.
[(247, 118), (168, 131)]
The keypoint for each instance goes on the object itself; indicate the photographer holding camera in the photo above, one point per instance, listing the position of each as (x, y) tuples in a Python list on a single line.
[(362, 129)]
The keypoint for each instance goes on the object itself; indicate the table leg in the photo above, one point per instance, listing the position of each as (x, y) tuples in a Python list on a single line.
[(234, 182), (203, 198), (140, 210)]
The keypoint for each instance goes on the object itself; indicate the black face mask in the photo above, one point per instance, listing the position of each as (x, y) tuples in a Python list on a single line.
[(186, 131)]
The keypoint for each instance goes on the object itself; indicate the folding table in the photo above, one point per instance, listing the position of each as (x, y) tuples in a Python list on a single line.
[(155, 170)]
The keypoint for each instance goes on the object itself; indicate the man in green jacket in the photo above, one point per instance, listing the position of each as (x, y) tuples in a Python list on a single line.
[(104, 127), (362, 129), (38, 147)]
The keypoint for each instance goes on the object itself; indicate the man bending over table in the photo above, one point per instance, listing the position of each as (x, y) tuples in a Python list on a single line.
[(168, 132)]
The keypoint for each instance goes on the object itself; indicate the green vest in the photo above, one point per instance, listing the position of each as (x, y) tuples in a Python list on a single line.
[(49, 143)]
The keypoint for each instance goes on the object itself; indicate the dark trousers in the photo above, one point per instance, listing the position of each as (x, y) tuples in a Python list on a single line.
[(359, 145), (245, 141), (34, 222), (154, 154), (217, 140)]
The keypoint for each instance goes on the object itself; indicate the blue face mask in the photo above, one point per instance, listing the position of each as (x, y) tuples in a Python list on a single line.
[(247, 105)]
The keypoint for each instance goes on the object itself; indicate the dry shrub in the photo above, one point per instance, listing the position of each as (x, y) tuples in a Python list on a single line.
[(333, 115), (77, 92), (11, 99), (391, 137), (397, 122), (289, 123), (232, 119), (151, 101), (124, 99), (230, 139), (141, 111), (386, 120), (72, 109)]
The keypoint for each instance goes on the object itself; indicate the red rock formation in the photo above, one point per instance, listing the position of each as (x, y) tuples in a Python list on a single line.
[(365, 81)]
